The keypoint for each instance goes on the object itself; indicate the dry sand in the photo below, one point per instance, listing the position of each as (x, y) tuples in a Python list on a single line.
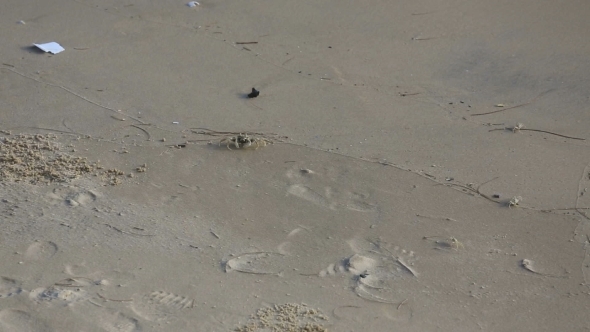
[(383, 204)]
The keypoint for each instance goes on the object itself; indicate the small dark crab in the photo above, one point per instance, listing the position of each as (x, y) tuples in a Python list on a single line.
[(243, 141)]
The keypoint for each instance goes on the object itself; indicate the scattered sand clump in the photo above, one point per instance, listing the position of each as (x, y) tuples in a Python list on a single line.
[(41, 159), (289, 317)]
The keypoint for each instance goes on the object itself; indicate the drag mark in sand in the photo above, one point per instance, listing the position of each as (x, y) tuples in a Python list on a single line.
[(528, 265)]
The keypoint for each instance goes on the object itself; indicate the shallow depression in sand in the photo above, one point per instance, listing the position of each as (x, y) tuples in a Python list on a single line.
[(40, 251)]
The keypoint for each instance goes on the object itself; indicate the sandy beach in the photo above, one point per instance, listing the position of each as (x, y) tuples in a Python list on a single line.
[(407, 166)]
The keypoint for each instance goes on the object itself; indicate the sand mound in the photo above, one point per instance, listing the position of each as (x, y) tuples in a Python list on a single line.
[(38, 159), (41, 159), (289, 317)]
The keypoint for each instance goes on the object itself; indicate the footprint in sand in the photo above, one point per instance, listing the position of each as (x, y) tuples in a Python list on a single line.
[(77, 270), (83, 198), (12, 320), (582, 235), (65, 292), (294, 236), (72, 196), (359, 202), (106, 319), (158, 304), (9, 287), (256, 263), (116, 321), (306, 187), (42, 250), (58, 295), (582, 232), (310, 195), (293, 254), (379, 272)]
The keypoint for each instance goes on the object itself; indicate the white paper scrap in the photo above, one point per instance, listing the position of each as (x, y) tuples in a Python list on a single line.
[(52, 47)]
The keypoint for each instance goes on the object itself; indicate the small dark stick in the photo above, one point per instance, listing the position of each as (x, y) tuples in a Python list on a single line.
[(254, 93)]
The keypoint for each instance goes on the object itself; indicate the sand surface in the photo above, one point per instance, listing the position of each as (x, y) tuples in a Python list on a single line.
[(388, 185)]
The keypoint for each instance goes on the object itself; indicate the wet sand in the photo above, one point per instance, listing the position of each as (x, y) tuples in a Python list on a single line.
[(410, 167)]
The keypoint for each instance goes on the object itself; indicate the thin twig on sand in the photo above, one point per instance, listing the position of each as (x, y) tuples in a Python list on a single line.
[(520, 127), (512, 107)]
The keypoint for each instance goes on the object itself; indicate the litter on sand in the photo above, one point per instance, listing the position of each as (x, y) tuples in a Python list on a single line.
[(193, 4), (52, 47), (255, 93)]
